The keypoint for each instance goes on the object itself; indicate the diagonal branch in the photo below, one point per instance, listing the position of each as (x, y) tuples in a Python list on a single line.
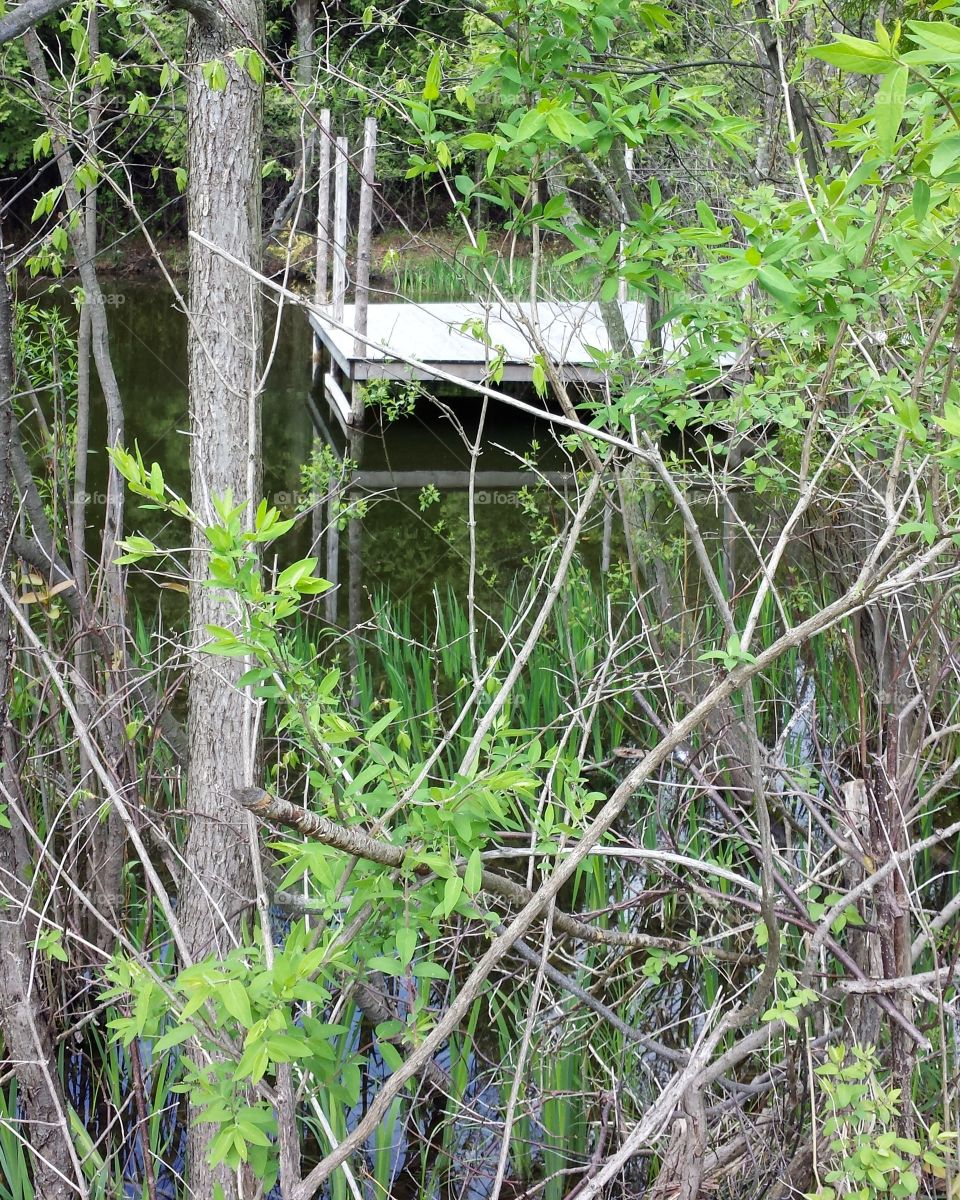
[(359, 844)]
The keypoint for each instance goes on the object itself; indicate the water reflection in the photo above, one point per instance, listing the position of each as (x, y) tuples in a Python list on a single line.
[(414, 535)]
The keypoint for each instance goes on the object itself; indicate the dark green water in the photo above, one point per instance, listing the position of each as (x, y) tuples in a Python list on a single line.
[(400, 548)]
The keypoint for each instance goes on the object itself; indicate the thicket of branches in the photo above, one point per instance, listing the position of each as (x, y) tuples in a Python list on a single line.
[(644, 883)]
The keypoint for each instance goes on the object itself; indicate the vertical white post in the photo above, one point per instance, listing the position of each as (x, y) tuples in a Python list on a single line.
[(340, 229), (323, 212), (622, 292), (365, 234)]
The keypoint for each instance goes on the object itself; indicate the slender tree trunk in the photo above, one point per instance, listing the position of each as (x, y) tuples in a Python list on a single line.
[(224, 136), (24, 1021), (105, 865)]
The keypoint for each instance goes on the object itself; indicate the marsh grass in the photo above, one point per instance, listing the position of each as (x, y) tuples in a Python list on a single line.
[(420, 660), (423, 279)]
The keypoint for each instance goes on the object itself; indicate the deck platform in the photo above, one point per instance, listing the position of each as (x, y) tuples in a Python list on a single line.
[(439, 335)]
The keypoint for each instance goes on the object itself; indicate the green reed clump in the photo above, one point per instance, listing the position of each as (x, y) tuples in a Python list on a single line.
[(423, 663), (423, 280)]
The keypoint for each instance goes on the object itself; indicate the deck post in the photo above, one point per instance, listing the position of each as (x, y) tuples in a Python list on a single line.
[(340, 230), (364, 246), (622, 292), (322, 268), (365, 234)]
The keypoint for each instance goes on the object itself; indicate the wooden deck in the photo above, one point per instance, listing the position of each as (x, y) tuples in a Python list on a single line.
[(439, 335)]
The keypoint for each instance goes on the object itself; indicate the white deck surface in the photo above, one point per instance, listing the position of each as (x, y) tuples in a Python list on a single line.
[(434, 334)]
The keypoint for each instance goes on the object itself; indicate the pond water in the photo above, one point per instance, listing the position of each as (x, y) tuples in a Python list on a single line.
[(414, 535), (412, 538)]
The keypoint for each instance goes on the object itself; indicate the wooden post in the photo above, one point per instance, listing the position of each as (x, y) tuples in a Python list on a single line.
[(622, 292), (340, 229), (323, 212), (365, 234)]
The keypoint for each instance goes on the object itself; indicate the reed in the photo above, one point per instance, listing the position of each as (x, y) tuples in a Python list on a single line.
[(426, 279)]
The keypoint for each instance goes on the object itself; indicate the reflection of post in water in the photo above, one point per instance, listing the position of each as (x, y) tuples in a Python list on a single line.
[(354, 536), (343, 500), (333, 553), (607, 535), (355, 555)]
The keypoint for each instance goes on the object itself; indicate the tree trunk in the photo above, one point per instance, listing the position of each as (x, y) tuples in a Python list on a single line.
[(24, 1023), (305, 15), (106, 852), (224, 135)]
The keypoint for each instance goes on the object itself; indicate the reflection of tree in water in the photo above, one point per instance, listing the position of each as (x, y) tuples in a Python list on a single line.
[(410, 552)]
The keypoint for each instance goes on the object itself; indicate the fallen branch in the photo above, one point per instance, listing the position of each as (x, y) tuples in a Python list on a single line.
[(355, 842)]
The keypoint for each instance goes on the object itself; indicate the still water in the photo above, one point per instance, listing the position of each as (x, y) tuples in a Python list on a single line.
[(412, 538)]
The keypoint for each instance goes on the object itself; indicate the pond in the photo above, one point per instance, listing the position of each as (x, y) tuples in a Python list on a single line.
[(414, 533)]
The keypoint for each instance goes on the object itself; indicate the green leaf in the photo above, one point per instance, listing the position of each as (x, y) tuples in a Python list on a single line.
[(907, 412), (255, 67), (284, 1048), (389, 966), (531, 124), (473, 876), (406, 943), (452, 890), (179, 1033), (234, 999), (292, 575), (945, 155), (214, 75), (773, 280), (888, 108), (706, 214), (430, 970), (936, 35), (565, 126), (431, 87), (390, 1055), (477, 141), (253, 1063), (921, 200), (854, 54)]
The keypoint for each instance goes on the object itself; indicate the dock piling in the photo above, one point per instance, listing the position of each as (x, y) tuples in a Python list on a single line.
[(322, 268), (365, 233), (340, 229)]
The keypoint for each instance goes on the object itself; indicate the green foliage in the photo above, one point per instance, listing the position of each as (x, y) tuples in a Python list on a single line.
[(395, 398), (867, 1157)]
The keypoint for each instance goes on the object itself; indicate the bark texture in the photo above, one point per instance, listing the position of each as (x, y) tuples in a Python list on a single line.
[(104, 868), (224, 136)]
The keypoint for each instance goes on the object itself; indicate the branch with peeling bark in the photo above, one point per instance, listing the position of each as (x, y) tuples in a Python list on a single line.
[(355, 842)]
